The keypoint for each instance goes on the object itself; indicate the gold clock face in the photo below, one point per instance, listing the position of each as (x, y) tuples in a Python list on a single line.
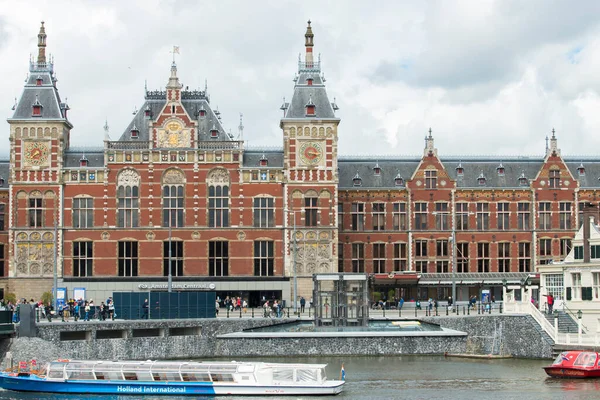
[(36, 153), (311, 153)]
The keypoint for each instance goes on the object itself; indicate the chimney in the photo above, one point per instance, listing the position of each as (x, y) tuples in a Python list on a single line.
[(589, 211)]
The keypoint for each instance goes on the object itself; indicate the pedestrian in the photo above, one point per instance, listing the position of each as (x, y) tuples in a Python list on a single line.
[(145, 307), (48, 311), (217, 306), (245, 306), (401, 303), (550, 302), (302, 304), (111, 309), (76, 312), (102, 311)]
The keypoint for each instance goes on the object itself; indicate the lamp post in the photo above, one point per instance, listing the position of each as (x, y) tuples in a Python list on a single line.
[(454, 300), (295, 294)]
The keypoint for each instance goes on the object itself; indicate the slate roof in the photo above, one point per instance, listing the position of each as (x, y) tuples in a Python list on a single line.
[(252, 158), (304, 93), (46, 94), (592, 172), (4, 173), (349, 167), (473, 168), (95, 158)]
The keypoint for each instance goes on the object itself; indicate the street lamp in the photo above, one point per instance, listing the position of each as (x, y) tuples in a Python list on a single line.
[(294, 262)]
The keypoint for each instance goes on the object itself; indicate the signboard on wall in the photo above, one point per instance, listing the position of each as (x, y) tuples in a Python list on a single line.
[(79, 293), (61, 297)]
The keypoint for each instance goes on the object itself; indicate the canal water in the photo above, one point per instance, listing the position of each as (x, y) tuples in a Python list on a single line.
[(421, 377)]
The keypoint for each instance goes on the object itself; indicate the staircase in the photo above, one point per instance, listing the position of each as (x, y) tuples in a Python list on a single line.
[(566, 323)]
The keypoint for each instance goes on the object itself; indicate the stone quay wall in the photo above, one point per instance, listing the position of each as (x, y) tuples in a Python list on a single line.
[(191, 339)]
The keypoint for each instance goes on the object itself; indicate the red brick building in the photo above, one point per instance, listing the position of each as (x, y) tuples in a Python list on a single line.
[(177, 193)]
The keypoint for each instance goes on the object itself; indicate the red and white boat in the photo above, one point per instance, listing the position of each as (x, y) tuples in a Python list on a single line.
[(575, 364)]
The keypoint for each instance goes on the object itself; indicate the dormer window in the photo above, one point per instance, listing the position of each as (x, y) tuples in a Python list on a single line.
[(460, 171), (264, 161), (135, 132), (1, 181), (173, 109), (500, 170), (202, 112), (377, 169), (398, 180), (310, 107), (39, 81), (148, 112), (309, 81), (37, 108), (581, 170), (523, 180), (83, 161), (481, 179), (214, 132), (357, 180)]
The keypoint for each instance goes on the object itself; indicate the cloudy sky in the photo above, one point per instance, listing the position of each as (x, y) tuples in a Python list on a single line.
[(489, 77)]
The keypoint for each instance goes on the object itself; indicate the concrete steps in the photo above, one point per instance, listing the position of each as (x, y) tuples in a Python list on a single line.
[(566, 323)]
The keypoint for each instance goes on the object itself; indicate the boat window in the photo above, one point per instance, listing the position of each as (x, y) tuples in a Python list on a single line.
[(222, 377), (100, 376), (283, 375), (560, 358), (223, 368), (130, 376), (80, 375), (585, 360), (166, 376), (307, 375), (195, 376), (55, 374)]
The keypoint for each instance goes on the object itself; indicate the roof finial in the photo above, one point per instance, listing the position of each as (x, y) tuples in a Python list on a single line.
[(553, 132), (241, 128), (429, 132), (308, 43), (546, 142), (42, 45)]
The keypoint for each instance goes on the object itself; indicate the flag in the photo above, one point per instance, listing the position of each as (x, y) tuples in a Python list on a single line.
[(343, 373), (175, 49)]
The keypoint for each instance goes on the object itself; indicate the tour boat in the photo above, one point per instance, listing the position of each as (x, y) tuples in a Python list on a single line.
[(575, 364), (175, 378)]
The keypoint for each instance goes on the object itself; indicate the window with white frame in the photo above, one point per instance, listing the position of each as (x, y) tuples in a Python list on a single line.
[(173, 205), (430, 179), (441, 246), (576, 288), (524, 257), (421, 248), (358, 216), (340, 257), (218, 258), (565, 247), (378, 258), (128, 258), (35, 211), (173, 257), (504, 257), (400, 257), (554, 180), (83, 212), (399, 217), (264, 260), (462, 216), (421, 266), (545, 246), (420, 216), (523, 216), (483, 257), (128, 206), (442, 266), (462, 257), (378, 216), (555, 285), (358, 257), (340, 215), (596, 284), (545, 215), (503, 216), (218, 206), (311, 211), (264, 212), (441, 216), (483, 216), (565, 215), (83, 258)]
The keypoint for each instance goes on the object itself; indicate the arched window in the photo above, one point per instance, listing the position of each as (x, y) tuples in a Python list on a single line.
[(173, 195), (128, 194), (218, 198)]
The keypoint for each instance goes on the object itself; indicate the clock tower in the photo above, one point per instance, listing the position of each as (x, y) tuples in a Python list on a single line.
[(39, 136), (310, 142)]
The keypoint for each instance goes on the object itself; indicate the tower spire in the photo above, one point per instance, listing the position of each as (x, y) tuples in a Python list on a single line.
[(173, 79), (42, 45), (308, 43)]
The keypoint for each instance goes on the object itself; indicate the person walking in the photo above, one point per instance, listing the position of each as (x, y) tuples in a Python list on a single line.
[(87, 311), (550, 302), (111, 309), (145, 307), (302, 304)]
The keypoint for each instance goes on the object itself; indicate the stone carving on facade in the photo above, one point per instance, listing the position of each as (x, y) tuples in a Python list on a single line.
[(196, 235), (105, 235), (22, 269), (323, 251), (324, 267), (173, 177), (48, 269), (311, 268), (128, 177), (218, 176), (241, 235), (150, 236), (34, 269)]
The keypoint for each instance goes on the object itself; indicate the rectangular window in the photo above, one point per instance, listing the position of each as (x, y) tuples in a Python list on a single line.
[(503, 257), (83, 213), (462, 216), (378, 216), (483, 216), (218, 258), (2, 213), (441, 266), (264, 259), (311, 210), (340, 214), (578, 252), (523, 217), (82, 259), (264, 212), (545, 250), (358, 257), (378, 258), (173, 260), (441, 248), (358, 216), (554, 180), (421, 266), (565, 215), (128, 258), (524, 257), (218, 206), (555, 285), (340, 257), (503, 216), (565, 247), (595, 251), (420, 248), (399, 217), (420, 216), (400, 257), (483, 257), (2, 272), (35, 212), (545, 215), (596, 284), (462, 257), (441, 216), (173, 206), (430, 179), (128, 206), (576, 291)]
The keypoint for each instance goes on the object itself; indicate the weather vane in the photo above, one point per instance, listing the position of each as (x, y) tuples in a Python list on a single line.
[(175, 51)]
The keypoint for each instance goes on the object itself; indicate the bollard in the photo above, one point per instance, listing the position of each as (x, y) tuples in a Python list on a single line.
[(436, 311), (309, 308), (252, 312), (240, 312), (500, 309), (479, 309), (469, 309), (399, 312), (288, 312), (464, 312), (383, 312), (415, 312), (446, 311)]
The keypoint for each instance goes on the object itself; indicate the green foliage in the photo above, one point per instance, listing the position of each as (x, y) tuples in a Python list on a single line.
[(391, 295), (10, 297), (46, 298), (376, 296)]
